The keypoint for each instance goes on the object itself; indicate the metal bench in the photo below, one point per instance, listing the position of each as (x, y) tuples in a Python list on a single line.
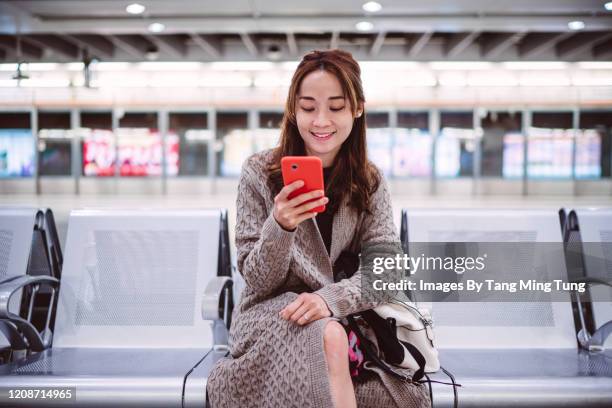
[(512, 353), (23, 255), (133, 326), (589, 232)]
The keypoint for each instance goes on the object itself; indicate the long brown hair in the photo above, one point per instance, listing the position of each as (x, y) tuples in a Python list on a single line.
[(352, 175)]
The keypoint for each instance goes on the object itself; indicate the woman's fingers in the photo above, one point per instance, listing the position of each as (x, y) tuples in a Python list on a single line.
[(291, 308), (285, 211), (289, 188), (306, 308), (295, 201), (313, 204), (301, 313)]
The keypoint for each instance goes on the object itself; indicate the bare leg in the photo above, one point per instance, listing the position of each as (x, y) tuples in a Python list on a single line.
[(336, 354)]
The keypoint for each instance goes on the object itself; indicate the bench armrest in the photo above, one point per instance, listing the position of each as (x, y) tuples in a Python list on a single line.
[(594, 342), (217, 301), (36, 341)]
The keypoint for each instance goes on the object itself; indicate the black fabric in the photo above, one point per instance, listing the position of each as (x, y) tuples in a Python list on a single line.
[(346, 265), (386, 335), (326, 218)]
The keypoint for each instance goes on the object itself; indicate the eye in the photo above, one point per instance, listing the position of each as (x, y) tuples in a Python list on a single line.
[(337, 109), (306, 109)]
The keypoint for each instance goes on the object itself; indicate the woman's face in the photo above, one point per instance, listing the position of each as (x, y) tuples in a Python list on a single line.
[(323, 115)]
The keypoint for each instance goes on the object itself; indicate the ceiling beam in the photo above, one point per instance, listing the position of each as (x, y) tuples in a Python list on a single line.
[(459, 23), (457, 43), (603, 49), (493, 45), (249, 44), (134, 45), (580, 43), (58, 45), (98, 46), (534, 44), (9, 44), (170, 44), (378, 43), (415, 47), (292, 44), (210, 46), (335, 40)]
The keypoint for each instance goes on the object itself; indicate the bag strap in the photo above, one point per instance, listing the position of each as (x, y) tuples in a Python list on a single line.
[(371, 354)]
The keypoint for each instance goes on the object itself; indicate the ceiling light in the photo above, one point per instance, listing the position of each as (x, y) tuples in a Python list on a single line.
[(8, 67), (135, 8), (169, 66), (595, 65), (243, 66), (531, 65), (452, 79), (371, 7), (460, 65), (152, 53), (364, 26), (42, 66), (156, 27), (608, 6), (274, 52), (576, 25)]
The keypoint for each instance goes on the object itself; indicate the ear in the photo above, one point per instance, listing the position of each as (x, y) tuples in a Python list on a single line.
[(359, 111)]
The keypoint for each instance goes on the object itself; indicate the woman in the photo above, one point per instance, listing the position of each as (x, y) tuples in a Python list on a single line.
[(288, 348)]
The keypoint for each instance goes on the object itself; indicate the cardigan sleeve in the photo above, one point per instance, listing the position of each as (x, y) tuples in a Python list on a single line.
[(346, 297), (263, 247)]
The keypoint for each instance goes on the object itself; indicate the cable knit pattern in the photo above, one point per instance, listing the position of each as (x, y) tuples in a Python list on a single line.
[(275, 363)]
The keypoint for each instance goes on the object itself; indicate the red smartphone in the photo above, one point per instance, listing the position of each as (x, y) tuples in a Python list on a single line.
[(306, 168)]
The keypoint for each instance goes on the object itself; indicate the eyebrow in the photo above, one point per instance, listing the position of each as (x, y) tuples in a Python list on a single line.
[(310, 98)]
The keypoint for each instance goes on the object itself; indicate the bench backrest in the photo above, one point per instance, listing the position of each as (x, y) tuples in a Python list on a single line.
[(135, 278), (494, 324)]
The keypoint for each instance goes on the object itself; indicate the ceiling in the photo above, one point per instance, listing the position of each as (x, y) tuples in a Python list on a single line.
[(256, 30)]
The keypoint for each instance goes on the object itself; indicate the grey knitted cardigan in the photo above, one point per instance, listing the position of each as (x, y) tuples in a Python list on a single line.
[(276, 363)]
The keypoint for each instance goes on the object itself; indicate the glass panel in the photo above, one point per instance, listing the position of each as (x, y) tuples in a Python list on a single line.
[(54, 144), (502, 145), (140, 149), (236, 142), (379, 140), (455, 145), (268, 134), (412, 148), (97, 144), (270, 120), (594, 145), (550, 143), (194, 140), (16, 145)]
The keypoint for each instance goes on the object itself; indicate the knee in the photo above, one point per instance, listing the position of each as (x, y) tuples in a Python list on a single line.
[(335, 342)]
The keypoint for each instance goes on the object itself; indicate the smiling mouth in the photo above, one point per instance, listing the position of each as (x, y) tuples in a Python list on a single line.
[(322, 136)]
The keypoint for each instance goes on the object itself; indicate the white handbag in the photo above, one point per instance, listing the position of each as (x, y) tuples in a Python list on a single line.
[(414, 326)]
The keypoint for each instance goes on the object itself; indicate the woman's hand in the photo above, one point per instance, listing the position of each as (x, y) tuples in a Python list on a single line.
[(306, 308), (290, 213)]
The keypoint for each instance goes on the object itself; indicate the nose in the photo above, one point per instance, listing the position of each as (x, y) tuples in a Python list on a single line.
[(321, 119)]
